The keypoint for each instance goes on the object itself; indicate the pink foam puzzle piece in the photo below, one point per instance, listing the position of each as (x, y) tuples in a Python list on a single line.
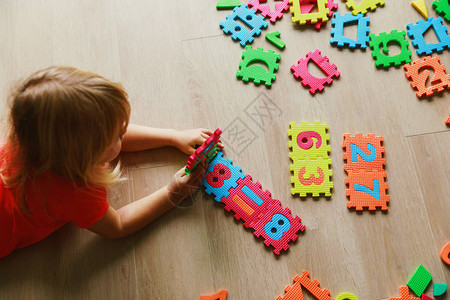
[(426, 297), (278, 227), (301, 71), (248, 201), (264, 9), (201, 153)]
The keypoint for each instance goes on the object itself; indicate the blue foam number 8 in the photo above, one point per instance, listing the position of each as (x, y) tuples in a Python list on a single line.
[(356, 150), (277, 227), (374, 193)]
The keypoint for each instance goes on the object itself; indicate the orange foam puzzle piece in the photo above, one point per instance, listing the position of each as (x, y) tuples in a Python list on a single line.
[(447, 121), (404, 294), (363, 152), (439, 82), (445, 253), (294, 292), (367, 190), (221, 295)]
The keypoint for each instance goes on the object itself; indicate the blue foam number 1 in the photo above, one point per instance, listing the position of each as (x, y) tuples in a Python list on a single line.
[(356, 150), (374, 193), (277, 227)]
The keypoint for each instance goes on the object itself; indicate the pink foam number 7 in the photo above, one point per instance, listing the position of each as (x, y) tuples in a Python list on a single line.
[(305, 139)]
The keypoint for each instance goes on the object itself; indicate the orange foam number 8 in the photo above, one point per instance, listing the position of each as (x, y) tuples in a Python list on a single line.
[(305, 139), (346, 296)]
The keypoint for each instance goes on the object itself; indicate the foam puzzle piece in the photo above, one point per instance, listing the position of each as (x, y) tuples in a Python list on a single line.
[(363, 6), (308, 5), (337, 31), (294, 292), (220, 176), (420, 280), (278, 227), (346, 296), (257, 73), (264, 9), (221, 295), (421, 7), (445, 253), (312, 177), (439, 289), (204, 152), (447, 121), (384, 39), (404, 294), (366, 190), (227, 4), (308, 140), (442, 7), (439, 82), (363, 152), (312, 18), (425, 297), (274, 38), (248, 201), (247, 16), (416, 33), (314, 83)]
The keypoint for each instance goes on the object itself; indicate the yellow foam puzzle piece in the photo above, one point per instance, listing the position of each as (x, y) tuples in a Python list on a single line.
[(420, 6), (320, 15), (363, 6)]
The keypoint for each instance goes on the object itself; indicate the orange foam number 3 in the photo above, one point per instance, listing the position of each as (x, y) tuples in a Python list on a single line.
[(312, 178)]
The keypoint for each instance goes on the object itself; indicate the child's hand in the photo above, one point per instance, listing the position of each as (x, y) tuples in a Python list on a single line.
[(186, 140), (182, 185)]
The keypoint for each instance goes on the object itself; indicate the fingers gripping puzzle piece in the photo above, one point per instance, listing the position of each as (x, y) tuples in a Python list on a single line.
[(221, 176), (416, 33), (363, 152), (247, 16), (204, 152), (278, 227), (264, 9), (337, 31), (312, 177), (404, 294), (308, 140), (384, 39), (442, 7), (312, 18), (363, 6), (301, 71), (439, 82), (248, 201), (308, 5), (258, 73), (367, 190)]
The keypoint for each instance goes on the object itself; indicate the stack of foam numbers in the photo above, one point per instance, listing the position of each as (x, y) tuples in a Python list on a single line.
[(205, 153), (365, 169), (255, 207), (311, 163)]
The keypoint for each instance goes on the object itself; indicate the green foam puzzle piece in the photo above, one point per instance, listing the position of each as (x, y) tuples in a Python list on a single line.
[(274, 38), (420, 280), (439, 289), (382, 59), (227, 4), (250, 71), (442, 7)]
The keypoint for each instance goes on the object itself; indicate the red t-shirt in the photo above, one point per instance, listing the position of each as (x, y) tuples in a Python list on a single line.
[(53, 201)]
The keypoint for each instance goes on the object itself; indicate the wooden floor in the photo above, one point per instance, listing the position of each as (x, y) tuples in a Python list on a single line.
[(179, 69)]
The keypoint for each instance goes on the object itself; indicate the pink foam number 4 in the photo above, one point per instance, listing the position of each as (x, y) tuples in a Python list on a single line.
[(265, 11), (314, 83)]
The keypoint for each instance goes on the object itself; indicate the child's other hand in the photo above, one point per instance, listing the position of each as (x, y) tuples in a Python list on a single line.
[(182, 185), (186, 140)]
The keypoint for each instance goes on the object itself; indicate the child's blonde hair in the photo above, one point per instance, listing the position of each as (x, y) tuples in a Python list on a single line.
[(62, 119)]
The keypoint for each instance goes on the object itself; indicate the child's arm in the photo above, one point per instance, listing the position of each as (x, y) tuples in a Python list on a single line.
[(138, 138), (138, 214)]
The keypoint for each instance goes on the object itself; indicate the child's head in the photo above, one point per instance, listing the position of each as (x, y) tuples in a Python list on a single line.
[(64, 120)]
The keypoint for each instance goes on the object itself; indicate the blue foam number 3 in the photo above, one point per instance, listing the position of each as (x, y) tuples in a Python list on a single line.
[(374, 193), (277, 227), (356, 150)]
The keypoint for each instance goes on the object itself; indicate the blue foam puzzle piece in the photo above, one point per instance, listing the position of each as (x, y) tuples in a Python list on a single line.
[(416, 32), (439, 289), (250, 18), (337, 30), (229, 183)]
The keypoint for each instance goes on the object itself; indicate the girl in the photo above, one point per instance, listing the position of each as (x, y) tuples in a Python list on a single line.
[(65, 126)]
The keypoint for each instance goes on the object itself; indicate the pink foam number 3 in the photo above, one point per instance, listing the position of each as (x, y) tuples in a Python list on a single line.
[(314, 83), (265, 11)]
